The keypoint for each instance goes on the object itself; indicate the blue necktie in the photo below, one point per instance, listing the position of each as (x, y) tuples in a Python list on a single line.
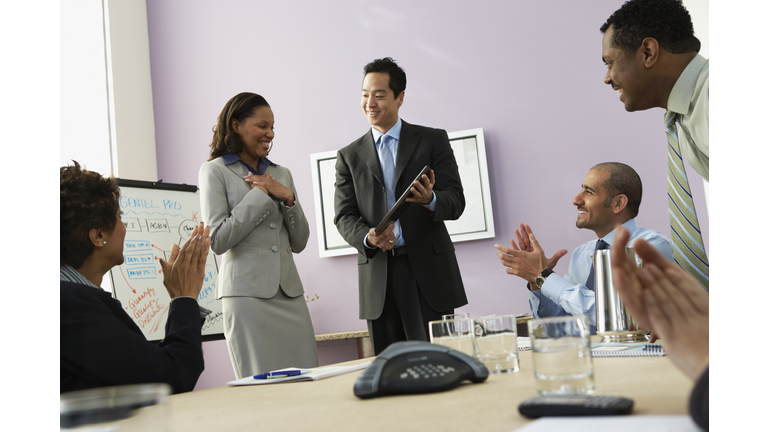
[(689, 250), (600, 245), (388, 168)]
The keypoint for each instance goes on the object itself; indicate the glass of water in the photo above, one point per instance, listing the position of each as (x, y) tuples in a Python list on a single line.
[(133, 407), (496, 338), (457, 334), (562, 360)]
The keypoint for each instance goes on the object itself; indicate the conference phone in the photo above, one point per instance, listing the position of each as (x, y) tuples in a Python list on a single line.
[(417, 367)]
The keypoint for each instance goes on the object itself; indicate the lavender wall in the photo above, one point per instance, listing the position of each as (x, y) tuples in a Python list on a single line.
[(528, 73)]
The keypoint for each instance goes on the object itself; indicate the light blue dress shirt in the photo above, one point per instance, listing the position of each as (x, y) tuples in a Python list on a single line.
[(394, 135), (568, 295)]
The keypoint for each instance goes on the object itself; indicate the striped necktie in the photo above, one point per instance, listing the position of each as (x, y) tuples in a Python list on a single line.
[(688, 250), (600, 245)]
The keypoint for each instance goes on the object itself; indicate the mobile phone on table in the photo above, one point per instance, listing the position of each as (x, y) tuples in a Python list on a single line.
[(575, 405)]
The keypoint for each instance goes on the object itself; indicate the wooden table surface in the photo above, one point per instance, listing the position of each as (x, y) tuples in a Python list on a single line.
[(654, 383)]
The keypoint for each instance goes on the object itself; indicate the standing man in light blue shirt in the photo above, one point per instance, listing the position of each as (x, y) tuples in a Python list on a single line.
[(408, 274), (388, 142), (609, 198)]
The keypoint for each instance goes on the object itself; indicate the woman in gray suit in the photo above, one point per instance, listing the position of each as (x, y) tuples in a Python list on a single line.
[(257, 224)]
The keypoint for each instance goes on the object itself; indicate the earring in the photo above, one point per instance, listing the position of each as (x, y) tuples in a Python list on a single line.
[(104, 242)]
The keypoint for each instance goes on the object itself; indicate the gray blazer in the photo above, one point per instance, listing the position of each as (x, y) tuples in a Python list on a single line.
[(256, 234), (360, 203)]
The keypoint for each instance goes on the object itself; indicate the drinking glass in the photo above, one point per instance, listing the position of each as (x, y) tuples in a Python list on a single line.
[(463, 315), (562, 360), (135, 407), (496, 338), (457, 334)]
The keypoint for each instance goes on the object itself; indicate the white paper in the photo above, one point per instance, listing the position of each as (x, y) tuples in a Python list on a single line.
[(306, 375), (523, 343), (625, 423)]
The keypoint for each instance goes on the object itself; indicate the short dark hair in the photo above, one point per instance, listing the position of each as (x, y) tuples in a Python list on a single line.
[(240, 107), (87, 201), (623, 180), (396, 73), (667, 21)]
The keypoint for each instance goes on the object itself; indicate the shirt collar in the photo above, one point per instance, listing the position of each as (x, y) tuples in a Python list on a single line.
[(630, 225), (394, 132), (680, 97), (68, 273), (231, 158)]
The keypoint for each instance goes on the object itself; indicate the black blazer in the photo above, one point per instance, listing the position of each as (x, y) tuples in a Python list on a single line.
[(102, 346), (360, 203)]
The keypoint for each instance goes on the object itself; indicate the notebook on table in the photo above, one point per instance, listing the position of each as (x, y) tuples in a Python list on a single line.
[(602, 349)]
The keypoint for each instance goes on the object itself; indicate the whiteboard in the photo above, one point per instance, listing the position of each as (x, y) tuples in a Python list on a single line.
[(475, 223), (157, 215)]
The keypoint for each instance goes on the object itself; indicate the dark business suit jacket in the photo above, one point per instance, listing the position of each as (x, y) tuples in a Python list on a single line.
[(361, 202), (101, 346)]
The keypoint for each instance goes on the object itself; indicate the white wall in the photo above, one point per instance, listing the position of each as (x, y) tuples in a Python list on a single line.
[(133, 134), (107, 119), (84, 107), (699, 10)]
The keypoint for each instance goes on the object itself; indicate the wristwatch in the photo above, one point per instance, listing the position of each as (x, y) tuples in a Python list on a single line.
[(542, 277)]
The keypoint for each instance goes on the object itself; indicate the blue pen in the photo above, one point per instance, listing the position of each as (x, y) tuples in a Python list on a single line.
[(277, 374)]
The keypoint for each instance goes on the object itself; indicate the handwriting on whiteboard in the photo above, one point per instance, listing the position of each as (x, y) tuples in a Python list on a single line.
[(155, 220)]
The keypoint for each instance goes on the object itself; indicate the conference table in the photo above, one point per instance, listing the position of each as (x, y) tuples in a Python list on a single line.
[(654, 383)]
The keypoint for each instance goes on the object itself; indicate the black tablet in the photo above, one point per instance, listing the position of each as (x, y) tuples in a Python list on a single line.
[(399, 207)]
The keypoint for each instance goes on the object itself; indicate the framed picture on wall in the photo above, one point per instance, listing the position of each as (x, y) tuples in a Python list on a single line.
[(323, 184), (475, 223)]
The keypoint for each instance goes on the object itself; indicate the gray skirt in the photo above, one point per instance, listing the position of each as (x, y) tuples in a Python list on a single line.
[(267, 334)]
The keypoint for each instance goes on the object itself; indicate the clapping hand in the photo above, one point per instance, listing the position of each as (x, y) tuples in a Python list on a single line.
[(524, 242), (665, 298), (184, 272), (528, 259)]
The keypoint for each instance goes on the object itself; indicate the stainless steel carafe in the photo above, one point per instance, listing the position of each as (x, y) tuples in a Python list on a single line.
[(613, 322)]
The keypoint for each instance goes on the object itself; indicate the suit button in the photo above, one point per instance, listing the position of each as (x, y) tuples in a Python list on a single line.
[(274, 249), (272, 225)]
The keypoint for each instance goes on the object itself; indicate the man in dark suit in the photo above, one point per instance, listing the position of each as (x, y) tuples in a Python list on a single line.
[(407, 274)]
